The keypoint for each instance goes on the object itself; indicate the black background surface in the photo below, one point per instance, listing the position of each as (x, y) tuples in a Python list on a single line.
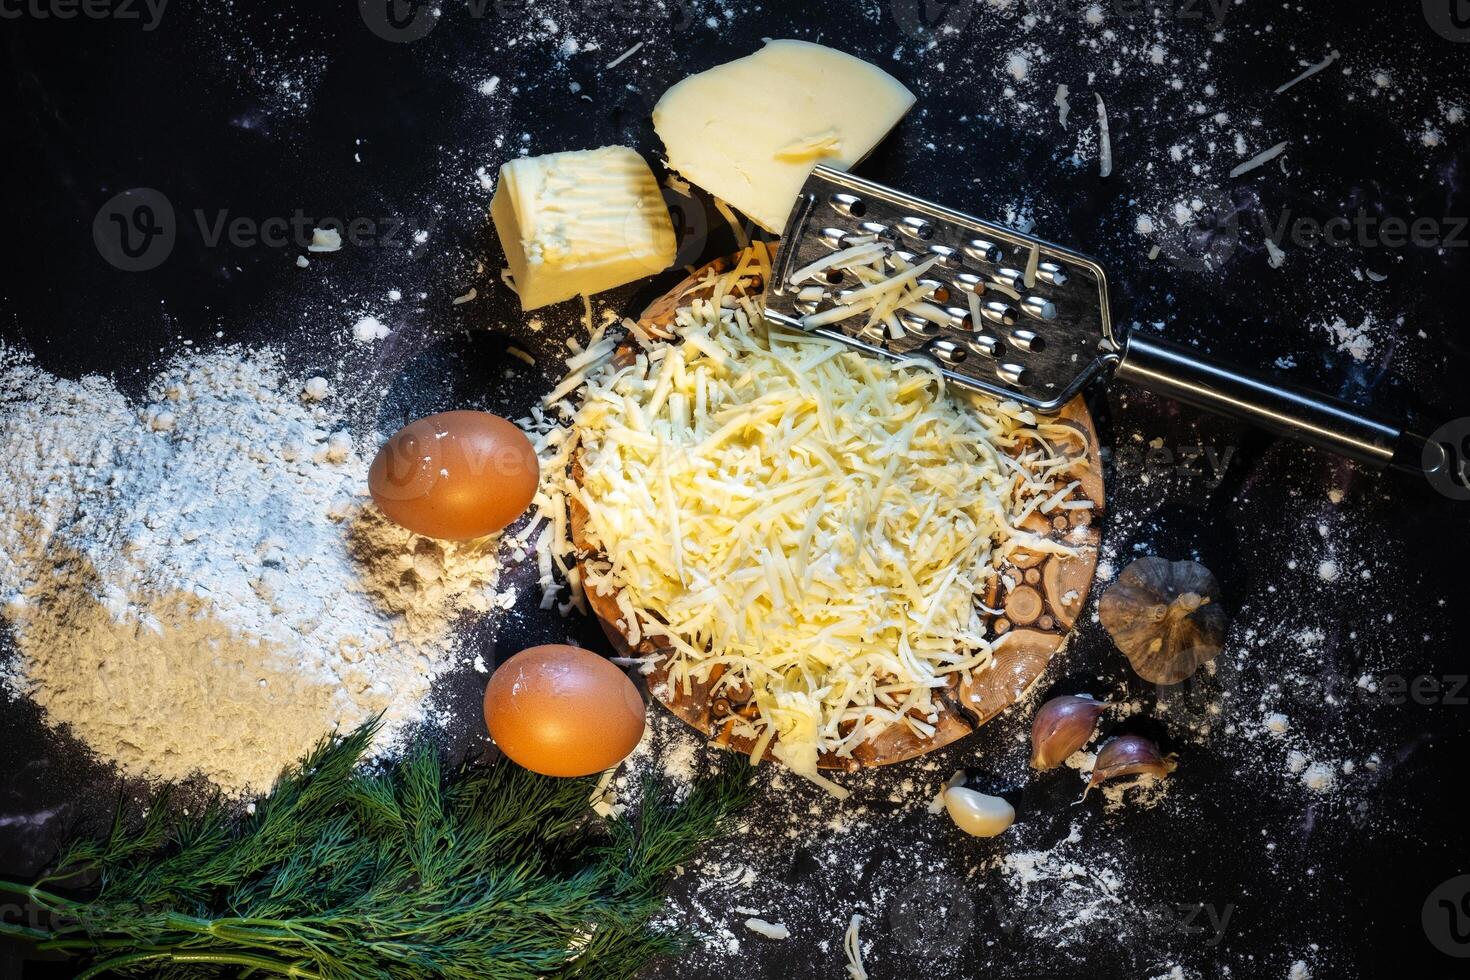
[(395, 131)]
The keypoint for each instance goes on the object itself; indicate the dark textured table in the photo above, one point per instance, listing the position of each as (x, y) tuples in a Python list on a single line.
[(331, 111)]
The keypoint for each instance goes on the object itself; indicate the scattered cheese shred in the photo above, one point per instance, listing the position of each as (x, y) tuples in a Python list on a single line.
[(1332, 56), (741, 238), (1104, 141), (624, 56), (771, 930), (852, 948), (1260, 159)]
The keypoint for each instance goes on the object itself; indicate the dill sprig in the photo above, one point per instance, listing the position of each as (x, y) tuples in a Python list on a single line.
[(415, 870)]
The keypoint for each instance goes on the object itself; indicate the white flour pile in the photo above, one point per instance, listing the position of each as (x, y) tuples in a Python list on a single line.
[(199, 583)]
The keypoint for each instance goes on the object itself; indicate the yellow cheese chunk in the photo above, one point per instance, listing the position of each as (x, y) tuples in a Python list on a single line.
[(750, 131), (580, 222)]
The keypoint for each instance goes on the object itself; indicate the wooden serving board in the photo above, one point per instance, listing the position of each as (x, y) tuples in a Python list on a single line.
[(1039, 597)]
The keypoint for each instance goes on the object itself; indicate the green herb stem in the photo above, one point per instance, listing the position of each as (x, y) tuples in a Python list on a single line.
[(201, 958), (45, 899), (414, 871), (23, 932)]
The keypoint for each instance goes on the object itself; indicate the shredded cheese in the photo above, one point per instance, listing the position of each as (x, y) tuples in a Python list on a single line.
[(726, 212), (623, 57), (771, 930), (882, 295), (853, 950), (1259, 160), (1332, 56), (792, 516)]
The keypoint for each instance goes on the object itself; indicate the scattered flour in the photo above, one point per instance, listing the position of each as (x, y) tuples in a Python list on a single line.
[(369, 329), (1080, 892), (213, 594), (1018, 65), (1319, 777), (1357, 342)]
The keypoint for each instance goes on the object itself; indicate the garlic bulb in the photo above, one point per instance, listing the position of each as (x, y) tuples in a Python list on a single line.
[(1062, 726), (976, 813), (1165, 617)]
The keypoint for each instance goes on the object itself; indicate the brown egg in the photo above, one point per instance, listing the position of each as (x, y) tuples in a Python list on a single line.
[(455, 475), (563, 711)]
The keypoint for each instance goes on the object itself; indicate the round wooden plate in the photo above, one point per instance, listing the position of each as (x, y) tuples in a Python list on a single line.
[(1039, 596)]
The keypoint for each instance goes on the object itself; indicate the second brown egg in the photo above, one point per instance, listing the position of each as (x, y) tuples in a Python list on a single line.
[(563, 711)]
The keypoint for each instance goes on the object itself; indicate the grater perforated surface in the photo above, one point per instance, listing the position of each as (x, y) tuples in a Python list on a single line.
[(1038, 344)]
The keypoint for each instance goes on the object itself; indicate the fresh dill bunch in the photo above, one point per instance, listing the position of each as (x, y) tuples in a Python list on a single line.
[(471, 872)]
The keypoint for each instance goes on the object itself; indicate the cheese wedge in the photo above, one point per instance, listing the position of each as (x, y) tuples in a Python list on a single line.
[(580, 222), (750, 131)]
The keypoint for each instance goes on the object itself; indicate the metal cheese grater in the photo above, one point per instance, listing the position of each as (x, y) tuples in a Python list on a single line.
[(1045, 330)]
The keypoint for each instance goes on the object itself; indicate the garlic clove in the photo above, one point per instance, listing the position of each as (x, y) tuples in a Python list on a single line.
[(936, 805), (1129, 755), (1062, 726), (978, 814)]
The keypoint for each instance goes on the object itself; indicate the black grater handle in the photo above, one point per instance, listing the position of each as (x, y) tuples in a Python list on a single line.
[(1339, 427)]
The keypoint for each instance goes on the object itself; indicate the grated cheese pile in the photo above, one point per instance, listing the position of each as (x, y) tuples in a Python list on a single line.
[(789, 514)]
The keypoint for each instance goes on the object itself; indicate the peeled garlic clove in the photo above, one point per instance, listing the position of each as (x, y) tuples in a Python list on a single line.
[(1061, 727), (936, 805), (977, 814), (1129, 755)]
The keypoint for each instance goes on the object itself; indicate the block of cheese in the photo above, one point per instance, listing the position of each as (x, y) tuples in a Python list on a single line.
[(750, 131), (580, 222)]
